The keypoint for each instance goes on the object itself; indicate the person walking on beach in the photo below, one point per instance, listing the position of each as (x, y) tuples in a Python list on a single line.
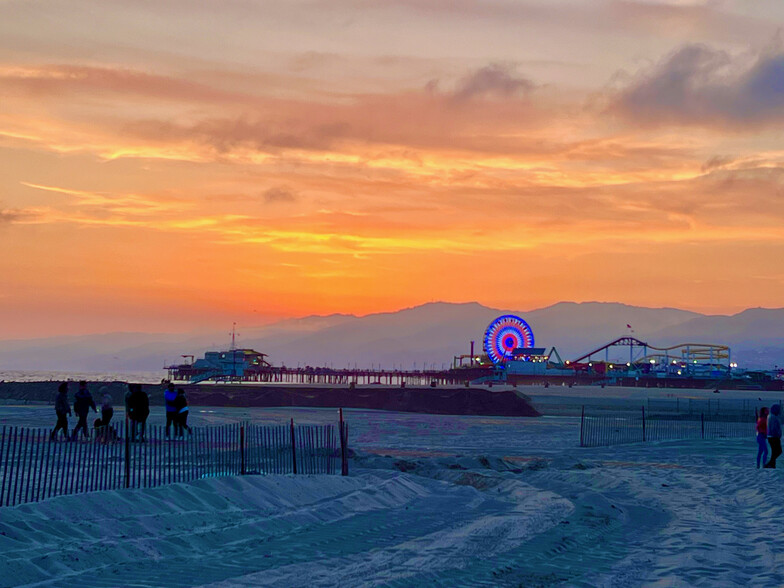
[(138, 411), (762, 436), (181, 404), (171, 412), (63, 410), (83, 400), (774, 435), (107, 409)]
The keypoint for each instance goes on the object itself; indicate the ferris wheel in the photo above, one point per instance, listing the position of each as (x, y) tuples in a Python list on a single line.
[(504, 335)]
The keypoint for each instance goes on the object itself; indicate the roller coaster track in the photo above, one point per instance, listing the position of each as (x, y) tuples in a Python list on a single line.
[(687, 351)]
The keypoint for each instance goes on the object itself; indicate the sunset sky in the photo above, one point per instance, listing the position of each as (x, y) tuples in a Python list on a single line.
[(171, 165)]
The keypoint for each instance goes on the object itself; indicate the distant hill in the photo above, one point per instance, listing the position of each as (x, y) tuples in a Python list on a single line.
[(756, 335), (429, 334)]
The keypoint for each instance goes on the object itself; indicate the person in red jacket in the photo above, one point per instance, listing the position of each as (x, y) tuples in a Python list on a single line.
[(762, 436)]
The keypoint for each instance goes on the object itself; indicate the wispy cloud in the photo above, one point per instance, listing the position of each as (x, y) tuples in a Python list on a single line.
[(8, 215), (496, 80), (279, 194), (136, 204), (58, 80)]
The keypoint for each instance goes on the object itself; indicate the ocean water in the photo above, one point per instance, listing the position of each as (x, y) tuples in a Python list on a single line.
[(153, 377)]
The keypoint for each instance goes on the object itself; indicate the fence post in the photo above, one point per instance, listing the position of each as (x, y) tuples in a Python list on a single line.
[(643, 423), (582, 423), (293, 448), (345, 443), (127, 453), (702, 424), (242, 450), (343, 464)]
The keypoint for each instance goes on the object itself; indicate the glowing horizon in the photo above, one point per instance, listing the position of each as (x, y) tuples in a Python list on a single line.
[(178, 166)]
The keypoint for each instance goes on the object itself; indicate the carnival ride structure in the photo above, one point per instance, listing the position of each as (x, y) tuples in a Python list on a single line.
[(684, 359)]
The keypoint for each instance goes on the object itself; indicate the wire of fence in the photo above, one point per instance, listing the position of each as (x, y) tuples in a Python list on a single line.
[(707, 406), (605, 428), (34, 468)]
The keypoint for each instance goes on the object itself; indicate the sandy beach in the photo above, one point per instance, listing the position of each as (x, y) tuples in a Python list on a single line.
[(431, 499)]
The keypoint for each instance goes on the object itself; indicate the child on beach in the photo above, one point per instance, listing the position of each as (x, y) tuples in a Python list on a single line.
[(104, 432), (107, 410), (762, 436)]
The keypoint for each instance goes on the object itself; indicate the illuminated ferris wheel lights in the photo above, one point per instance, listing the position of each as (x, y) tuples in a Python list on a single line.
[(504, 335)]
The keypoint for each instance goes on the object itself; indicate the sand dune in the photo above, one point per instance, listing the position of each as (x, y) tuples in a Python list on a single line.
[(267, 530), (432, 500)]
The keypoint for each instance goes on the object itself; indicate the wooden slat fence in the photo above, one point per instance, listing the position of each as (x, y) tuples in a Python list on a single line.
[(605, 429), (33, 468)]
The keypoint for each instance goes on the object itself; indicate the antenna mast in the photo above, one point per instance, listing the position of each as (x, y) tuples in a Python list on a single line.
[(233, 336)]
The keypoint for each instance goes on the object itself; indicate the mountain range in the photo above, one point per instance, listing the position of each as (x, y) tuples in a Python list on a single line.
[(430, 334)]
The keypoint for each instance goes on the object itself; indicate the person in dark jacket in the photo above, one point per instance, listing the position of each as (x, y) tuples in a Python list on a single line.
[(63, 410), (774, 435), (171, 412), (138, 411), (181, 405), (83, 401)]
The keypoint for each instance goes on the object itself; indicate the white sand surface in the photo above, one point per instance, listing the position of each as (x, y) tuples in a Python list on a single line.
[(431, 500), (257, 530)]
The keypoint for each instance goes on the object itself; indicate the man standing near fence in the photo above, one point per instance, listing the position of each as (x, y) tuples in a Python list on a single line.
[(138, 404), (774, 435)]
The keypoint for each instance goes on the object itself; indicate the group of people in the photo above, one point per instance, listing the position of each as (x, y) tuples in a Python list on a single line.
[(768, 433), (83, 402), (176, 410), (137, 406), (137, 403)]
